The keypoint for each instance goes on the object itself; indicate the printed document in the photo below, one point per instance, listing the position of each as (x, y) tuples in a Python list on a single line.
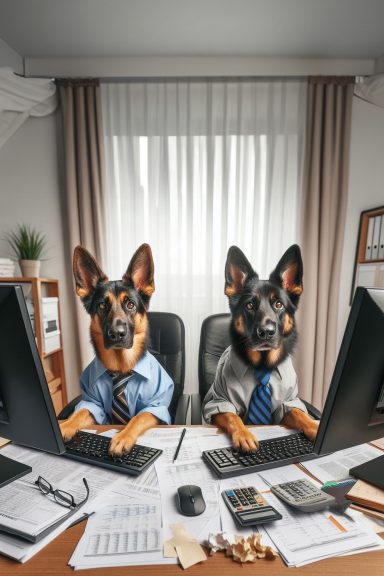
[(304, 538), (261, 432), (67, 475), (124, 533), (25, 508), (336, 466)]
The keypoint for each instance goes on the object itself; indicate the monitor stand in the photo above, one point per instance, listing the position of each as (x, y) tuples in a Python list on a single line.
[(11, 470), (371, 472)]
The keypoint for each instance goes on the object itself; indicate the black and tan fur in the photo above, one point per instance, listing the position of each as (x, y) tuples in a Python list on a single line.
[(263, 328), (119, 329)]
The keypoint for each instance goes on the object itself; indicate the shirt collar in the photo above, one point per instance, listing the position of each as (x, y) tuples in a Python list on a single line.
[(240, 367), (143, 367)]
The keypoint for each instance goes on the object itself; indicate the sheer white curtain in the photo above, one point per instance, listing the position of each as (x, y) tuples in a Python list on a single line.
[(192, 168)]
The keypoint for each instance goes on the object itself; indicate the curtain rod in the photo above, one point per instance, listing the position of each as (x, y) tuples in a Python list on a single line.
[(87, 81)]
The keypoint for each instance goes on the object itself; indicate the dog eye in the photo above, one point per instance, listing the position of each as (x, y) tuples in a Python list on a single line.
[(101, 305), (129, 304), (278, 304), (249, 305)]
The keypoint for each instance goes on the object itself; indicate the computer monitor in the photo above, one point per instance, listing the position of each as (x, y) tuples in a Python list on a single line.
[(354, 408), (27, 416)]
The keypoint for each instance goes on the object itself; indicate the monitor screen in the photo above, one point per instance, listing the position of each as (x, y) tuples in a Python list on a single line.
[(354, 408), (27, 416)]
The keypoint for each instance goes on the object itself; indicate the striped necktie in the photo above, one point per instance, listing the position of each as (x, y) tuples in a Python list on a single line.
[(260, 405), (120, 413)]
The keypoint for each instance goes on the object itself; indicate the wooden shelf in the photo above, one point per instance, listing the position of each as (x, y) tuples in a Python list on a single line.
[(51, 352), (369, 261), (53, 361)]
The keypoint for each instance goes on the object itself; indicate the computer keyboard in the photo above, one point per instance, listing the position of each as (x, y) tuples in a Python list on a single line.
[(227, 462), (93, 449)]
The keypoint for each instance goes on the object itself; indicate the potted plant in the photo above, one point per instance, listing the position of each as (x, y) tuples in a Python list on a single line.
[(28, 246)]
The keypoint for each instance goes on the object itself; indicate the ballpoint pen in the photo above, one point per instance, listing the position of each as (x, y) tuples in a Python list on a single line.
[(179, 444)]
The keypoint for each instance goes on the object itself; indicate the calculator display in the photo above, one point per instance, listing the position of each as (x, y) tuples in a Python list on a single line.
[(252, 515)]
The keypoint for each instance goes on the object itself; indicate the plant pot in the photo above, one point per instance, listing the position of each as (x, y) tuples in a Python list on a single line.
[(30, 268)]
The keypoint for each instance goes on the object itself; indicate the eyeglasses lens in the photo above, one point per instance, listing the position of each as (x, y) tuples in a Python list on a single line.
[(64, 498), (44, 486)]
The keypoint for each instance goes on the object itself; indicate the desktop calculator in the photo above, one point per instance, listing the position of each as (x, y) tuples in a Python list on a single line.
[(248, 506), (303, 495)]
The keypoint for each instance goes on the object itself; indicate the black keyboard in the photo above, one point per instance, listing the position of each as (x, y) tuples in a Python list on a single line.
[(227, 462), (93, 449)]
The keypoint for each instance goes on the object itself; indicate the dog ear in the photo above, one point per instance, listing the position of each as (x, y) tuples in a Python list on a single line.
[(140, 272), (237, 271), (87, 272), (289, 273)]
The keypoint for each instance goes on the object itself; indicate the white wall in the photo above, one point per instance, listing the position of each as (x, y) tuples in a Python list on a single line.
[(31, 178), (8, 57), (366, 188)]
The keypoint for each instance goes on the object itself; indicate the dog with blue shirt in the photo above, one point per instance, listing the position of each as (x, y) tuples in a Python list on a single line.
[(255, 381), (124, 384)]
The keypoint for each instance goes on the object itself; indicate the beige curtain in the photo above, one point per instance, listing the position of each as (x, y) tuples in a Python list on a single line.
[(325, 189), (85, 181)]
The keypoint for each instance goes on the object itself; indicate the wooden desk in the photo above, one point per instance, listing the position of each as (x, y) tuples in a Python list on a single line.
[(52, 561)]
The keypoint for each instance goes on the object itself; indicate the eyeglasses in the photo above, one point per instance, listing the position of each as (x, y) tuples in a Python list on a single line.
[(61, 497)]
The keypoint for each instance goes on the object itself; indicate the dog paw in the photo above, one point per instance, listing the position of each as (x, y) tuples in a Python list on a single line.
[(121, 443), (310, 430), (67, 429), (244, 440)]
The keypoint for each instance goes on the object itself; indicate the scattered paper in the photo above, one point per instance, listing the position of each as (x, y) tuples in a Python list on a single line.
[(184, 546), (304, 538), (189, 449), (336, 466), (241, 549), (223, 440), (193, 431), (248, 550), (119, 533), (282, 474), (300, 538)]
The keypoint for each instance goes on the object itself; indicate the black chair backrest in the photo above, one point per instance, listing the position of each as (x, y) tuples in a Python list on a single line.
[(167, 344), (214, 339)]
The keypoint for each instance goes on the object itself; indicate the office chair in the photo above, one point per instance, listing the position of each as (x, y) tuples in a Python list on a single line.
[(214, 339), (167, 344)]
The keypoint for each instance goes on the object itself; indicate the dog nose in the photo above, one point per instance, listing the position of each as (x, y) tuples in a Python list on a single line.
[(118, 332), (266, 332)]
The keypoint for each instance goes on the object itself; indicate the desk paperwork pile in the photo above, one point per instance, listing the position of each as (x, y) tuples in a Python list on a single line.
[(133, 516)]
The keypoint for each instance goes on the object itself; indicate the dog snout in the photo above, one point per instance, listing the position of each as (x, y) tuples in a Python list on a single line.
[(118, 331), (267, 331)]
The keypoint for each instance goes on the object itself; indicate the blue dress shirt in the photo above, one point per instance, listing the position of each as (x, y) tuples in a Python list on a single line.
[(149, 389)]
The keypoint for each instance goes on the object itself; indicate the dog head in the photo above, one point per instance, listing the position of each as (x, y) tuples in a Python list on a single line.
[(263, 328), (117, 308)]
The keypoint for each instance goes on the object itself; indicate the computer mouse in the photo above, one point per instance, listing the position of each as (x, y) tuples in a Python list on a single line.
[(190, 501)]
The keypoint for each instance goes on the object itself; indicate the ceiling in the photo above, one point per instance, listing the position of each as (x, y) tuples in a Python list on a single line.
[(262, 28)]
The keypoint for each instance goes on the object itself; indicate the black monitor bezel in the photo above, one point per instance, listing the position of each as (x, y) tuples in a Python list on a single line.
[(24, 433), (333, 417)]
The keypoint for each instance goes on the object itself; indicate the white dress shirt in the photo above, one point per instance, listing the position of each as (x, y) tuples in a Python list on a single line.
[(235, 381)]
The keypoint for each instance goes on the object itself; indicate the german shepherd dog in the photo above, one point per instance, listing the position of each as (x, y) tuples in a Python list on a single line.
[(263, 329), (119, 329)]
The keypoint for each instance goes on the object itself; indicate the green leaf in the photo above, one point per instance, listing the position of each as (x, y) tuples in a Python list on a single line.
[(26, 243)]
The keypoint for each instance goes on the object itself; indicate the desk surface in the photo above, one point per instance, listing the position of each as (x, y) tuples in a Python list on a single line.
[(52, 560)]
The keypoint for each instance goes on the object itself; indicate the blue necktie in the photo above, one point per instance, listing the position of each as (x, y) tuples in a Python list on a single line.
[(260, 406)]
